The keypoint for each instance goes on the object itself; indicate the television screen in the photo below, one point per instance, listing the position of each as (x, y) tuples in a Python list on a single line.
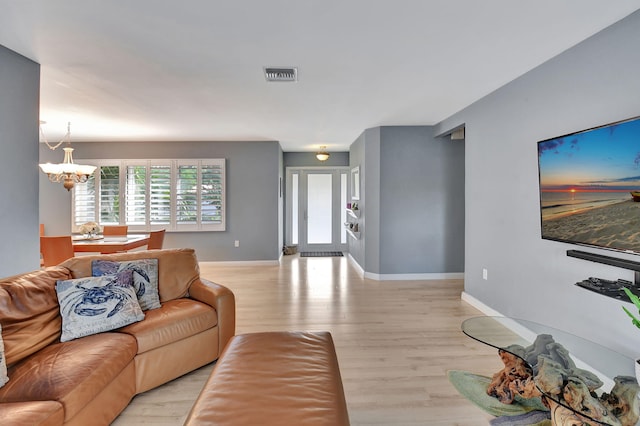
[(590, 187)]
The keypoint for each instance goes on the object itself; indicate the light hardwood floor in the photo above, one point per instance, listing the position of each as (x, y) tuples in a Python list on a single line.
[(395, 341)]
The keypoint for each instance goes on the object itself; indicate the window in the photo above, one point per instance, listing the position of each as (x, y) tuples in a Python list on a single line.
[(178, 195)]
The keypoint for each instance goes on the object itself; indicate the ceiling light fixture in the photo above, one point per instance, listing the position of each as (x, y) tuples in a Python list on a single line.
[(322, 155), (66, 172)]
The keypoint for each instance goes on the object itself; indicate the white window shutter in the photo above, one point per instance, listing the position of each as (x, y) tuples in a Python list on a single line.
[(177, 195), (109, 195), (84, 202), (136, 195), (160, 195)]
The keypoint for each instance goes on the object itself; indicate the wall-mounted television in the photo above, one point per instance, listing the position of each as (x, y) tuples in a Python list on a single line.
[(590, 187)]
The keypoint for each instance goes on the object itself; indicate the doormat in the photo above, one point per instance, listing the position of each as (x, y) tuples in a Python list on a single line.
[(321, 254)]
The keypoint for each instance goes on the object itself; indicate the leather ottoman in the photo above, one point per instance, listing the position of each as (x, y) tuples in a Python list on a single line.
[(274, 378)]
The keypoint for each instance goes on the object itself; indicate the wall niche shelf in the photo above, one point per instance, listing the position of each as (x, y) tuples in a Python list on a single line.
[(355, 235), (352, 226)]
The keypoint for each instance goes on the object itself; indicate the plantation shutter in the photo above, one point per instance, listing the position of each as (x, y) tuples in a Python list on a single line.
[(136, 195), (186, 194), (85, 202), (110, 195), (160, 195), (212, 193), (177, 195)]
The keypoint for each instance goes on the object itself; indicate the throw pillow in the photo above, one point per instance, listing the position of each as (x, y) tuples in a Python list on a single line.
[(3, 363), (96, 304), (145, 278)]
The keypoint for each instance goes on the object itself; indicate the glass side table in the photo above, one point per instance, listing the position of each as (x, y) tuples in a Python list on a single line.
[(581, 382)]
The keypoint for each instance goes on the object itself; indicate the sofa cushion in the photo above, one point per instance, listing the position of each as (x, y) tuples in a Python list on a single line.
[(177, 268), (145, 278), (29, 311), (175, 320), (72, 373), (96, 304)]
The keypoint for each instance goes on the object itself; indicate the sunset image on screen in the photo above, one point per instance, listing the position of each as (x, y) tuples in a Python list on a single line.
[(588, 182)]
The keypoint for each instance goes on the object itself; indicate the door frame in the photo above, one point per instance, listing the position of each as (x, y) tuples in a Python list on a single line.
[(338, 227)]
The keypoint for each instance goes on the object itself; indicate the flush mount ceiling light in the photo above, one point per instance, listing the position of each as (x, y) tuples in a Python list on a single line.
[(322, 155), (66, 172), (281, 73)]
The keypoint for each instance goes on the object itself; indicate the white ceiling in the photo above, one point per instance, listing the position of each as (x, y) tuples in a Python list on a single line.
[(150, 70)]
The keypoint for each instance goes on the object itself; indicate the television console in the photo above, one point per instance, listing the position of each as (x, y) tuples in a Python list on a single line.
[(610, 288)]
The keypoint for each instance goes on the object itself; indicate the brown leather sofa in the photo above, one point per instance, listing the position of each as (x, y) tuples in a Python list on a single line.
[(90, 380)]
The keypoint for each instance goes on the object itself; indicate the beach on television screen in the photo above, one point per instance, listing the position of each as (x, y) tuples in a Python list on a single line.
[(588, 184)]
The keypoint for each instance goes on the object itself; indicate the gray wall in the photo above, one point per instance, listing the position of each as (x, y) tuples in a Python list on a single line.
[(357, 150), (412, 208), (594, 83), (253, 204), (421, 202), (281, 199), (19, 103), (308, 159)]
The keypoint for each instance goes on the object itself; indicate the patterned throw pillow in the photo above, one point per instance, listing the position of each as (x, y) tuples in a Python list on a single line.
[(96, 304), (145, 278), (3, 363)]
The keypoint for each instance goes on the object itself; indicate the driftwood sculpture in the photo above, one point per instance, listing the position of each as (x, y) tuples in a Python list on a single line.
[(623, 401), (515, 378), (545, 369)]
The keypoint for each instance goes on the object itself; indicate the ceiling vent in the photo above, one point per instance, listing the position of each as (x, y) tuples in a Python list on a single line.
[(281, 73)]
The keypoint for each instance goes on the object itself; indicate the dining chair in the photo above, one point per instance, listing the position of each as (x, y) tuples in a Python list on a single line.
[(56, 249), (156, 239), (115, 230), (41, 234)]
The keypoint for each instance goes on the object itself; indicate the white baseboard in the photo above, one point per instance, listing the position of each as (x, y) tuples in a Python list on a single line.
[(479, 305), (407, 277), (404, 277), (242, 263), (356, 264)]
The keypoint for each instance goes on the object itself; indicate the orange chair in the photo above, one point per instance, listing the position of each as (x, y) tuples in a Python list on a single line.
[(115, 230), (41, 234), (56, 249), (156, 239)]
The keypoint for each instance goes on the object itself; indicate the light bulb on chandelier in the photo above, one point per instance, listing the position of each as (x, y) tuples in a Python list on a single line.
[(66, 172)]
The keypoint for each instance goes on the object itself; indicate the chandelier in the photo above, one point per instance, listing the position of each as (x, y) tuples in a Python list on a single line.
[(66, 172)]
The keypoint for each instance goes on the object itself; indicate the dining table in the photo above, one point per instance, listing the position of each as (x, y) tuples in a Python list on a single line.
[(109, 244)]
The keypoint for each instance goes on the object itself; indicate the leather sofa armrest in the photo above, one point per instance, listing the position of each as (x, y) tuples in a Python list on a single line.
[(223, 301)]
